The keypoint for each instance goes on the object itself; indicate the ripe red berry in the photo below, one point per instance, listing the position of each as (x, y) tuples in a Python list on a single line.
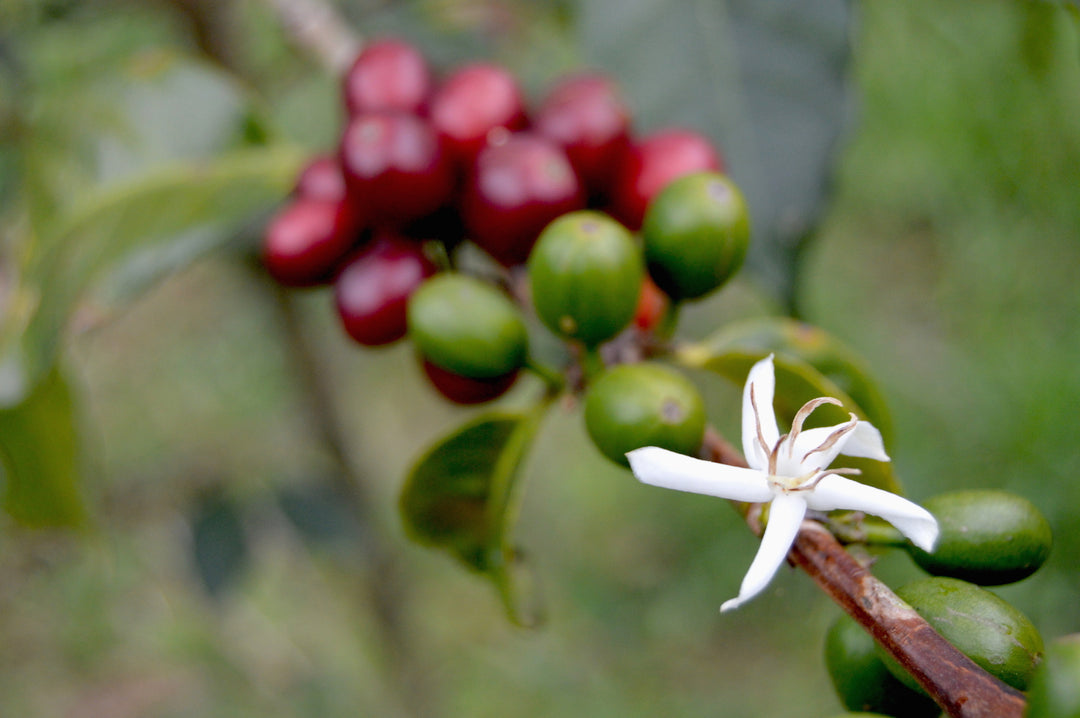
[(307, 239), (387, 75), (514, 191), (372, 290), (586, 115), (321, 178), (466, 390), (394, 167), (474, 103), (651, 306), (650, 164)]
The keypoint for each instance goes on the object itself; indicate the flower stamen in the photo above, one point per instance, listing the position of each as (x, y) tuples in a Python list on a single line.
[(831, 439), (774, 454), (804, 413), (757, 421)]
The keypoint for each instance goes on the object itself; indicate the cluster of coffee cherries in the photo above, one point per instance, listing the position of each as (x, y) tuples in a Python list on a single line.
[(987, 538), (555, 195)]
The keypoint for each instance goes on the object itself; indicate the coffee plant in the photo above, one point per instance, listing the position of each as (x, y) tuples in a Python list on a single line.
[(537, 252)]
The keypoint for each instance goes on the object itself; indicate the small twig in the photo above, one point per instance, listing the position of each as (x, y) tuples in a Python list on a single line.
[(960, 687), (382, 582), (316, 27)]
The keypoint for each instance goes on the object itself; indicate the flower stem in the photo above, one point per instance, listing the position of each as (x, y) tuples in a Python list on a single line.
[(592, 364), (552, 379)]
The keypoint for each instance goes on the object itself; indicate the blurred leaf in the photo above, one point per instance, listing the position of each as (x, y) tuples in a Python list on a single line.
[(202, 202), (219, 544), (798, 340), (767, 79), (39, 447), (169, 107), (797, 382), (319, 513), (461, 497)]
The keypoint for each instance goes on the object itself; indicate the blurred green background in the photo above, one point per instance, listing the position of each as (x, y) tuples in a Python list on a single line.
[(948, 256)]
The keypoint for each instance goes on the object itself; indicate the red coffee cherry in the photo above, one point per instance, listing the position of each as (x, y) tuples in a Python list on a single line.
[(586, 116), (372, 290), (650, 164), (321, 178), (652, 304), (387, 75), (394, 167), (466, 390), (517, 188), (474, 104), (307, 239)]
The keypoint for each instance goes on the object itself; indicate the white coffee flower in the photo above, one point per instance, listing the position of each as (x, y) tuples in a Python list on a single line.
[(790, 472)]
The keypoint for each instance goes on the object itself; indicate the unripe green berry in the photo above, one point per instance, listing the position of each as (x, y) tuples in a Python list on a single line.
[(986, 628), (586, 272), (636, 405), (861, 679), (987, 537), (468, 327), (696, 233)]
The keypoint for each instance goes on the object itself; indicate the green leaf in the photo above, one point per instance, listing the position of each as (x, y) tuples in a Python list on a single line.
[(768, 80), (321, 514), (201, 201), (814, 346), (219, 543), (39, 448), (462, 497), (732, 351)]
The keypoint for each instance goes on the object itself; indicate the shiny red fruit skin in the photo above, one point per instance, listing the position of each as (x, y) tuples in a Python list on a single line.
[(473, 105), (395, 168), (371, 292), (321, 178), (648, 165), (517, 188), (586, 116), (465, 390), (387, 75), (307, 239), (651, 306)]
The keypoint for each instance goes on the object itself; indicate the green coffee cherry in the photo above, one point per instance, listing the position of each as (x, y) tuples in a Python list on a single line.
[(1055, 687), (467, 327), (987, 537), (636, 405), (861, 679), (987, 629), (586, 273), (696, 233)]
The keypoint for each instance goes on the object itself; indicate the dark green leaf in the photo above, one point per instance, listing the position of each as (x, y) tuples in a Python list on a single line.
[(319, 513), (219, 544), (767, 80), (797, 382), (39, 447), (461, 497)]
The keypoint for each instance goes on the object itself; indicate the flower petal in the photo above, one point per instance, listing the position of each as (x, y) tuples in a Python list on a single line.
[(670, 470), (785, 517), (758, 414), (915, 522), (865, 442)]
